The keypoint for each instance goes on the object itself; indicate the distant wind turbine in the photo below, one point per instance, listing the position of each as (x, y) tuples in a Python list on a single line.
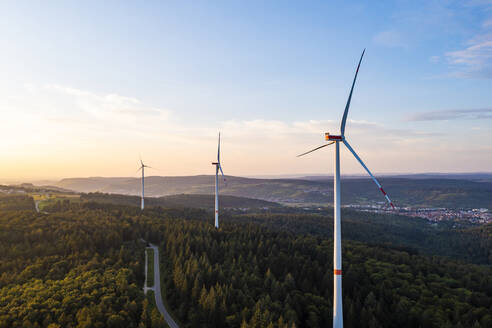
[(337, 247), (142, 167), (218, 167)]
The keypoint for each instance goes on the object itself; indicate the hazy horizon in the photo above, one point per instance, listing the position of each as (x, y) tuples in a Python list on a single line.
[(46, 180)]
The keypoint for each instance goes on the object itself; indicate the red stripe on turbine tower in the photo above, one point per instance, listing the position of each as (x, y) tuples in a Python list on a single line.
[(337, 272)]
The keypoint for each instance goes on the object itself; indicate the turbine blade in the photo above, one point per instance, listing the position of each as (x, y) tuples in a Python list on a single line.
[(347, 106), (316, 149), (218, 150), (372, 176), (223, 176)]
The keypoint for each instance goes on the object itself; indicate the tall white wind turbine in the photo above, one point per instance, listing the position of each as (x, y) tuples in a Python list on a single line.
[(142, 167), (218, 167), (337, 247)]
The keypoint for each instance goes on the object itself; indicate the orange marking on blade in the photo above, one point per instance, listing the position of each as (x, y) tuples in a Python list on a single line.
[(337, 272)]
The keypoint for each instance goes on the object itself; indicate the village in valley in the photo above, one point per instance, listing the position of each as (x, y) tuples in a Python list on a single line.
[(471, 215)]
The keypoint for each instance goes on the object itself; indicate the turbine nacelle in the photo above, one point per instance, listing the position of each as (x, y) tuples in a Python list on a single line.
[(142, 166), (329, 137)]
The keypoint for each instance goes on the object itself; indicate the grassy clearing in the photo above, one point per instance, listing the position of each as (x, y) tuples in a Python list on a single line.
[(50, 198), (150, 267), (46, 196)]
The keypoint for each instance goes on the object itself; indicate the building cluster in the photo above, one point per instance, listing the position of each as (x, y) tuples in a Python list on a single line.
[(474, 215), (12, 191)]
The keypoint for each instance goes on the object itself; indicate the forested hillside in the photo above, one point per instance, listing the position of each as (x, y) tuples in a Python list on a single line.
[(248, 276), (423, 192), (414, 235), (72, 268), (82, 266), (16, 202), (180, 201)]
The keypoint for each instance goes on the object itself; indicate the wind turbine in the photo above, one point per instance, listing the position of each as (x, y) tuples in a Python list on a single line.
[(217, 168), (142, 167), (337, 244)]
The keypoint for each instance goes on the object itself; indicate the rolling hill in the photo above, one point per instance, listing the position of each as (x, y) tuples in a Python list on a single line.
[(419, 192)]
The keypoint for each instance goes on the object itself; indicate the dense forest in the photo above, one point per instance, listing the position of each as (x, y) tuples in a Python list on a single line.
[(16, 202), (179, 201), (472, 243), (81, 265), (72, 268), (415, 235), (248, 276)]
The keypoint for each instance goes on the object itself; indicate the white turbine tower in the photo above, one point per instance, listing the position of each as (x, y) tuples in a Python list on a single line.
[(337, 247), (142, 167), (218, 167)]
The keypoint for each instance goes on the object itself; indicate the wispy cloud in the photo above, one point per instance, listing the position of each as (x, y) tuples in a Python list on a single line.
[(284, 134), (100, 105), (433, 21), (277, 129), (475, 59), (64, 107), (445, 115), (477, 54)]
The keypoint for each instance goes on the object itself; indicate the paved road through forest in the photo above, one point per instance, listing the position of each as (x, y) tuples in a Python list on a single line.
[(157, 287)]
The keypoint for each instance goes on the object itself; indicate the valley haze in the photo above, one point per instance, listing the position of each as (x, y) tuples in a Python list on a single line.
[(464, 190)]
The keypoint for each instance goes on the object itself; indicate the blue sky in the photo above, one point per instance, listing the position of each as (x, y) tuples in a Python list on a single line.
[(111, 79)]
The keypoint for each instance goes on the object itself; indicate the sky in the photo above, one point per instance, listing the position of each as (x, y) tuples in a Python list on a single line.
[(87, 87)]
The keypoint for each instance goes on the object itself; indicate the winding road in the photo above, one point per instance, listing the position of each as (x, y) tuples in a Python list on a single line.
[(36, 205), (157, 287)]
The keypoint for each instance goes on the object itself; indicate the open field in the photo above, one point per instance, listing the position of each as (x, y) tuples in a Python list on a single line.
[(45, 199)]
